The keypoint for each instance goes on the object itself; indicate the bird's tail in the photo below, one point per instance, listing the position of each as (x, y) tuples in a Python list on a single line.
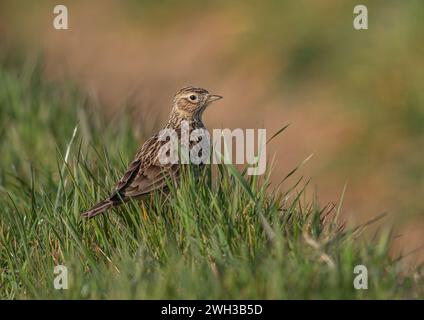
[(98, 208)]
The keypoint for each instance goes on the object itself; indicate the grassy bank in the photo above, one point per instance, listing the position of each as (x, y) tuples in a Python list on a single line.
[(223, 236)]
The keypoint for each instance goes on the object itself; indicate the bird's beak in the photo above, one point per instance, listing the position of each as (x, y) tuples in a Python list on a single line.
[(213, 97)]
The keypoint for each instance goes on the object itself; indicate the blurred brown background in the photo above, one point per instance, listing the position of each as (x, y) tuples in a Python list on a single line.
[(354, 98)]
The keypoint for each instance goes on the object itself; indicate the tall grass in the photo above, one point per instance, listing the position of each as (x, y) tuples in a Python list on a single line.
[(224, 235)]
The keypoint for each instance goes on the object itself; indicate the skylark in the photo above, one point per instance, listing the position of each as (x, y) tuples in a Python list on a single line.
[(146, 173)]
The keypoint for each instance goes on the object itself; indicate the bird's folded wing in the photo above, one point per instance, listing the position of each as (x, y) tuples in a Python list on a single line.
[(145, 173), (149, 179), (128, 176)]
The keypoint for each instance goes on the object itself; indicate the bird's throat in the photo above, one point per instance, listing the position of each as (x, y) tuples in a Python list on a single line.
[(177, 117)]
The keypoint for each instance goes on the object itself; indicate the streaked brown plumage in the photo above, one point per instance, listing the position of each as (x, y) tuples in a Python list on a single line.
[(145, 173)]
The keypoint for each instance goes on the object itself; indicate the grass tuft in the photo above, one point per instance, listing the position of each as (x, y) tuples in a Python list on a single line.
[(225, 235)]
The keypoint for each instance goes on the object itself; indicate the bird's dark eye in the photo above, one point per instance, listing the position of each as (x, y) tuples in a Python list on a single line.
[(193, 97)]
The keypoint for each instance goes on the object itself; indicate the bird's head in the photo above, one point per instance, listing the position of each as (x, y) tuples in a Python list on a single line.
[(190, 102)]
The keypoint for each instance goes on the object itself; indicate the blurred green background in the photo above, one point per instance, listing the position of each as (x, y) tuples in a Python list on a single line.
[(354, 98)]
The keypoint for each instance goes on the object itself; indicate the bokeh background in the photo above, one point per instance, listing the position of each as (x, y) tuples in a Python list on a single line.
[(354, 99)]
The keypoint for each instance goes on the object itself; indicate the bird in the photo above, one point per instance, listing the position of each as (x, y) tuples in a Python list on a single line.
[(146, 173)]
